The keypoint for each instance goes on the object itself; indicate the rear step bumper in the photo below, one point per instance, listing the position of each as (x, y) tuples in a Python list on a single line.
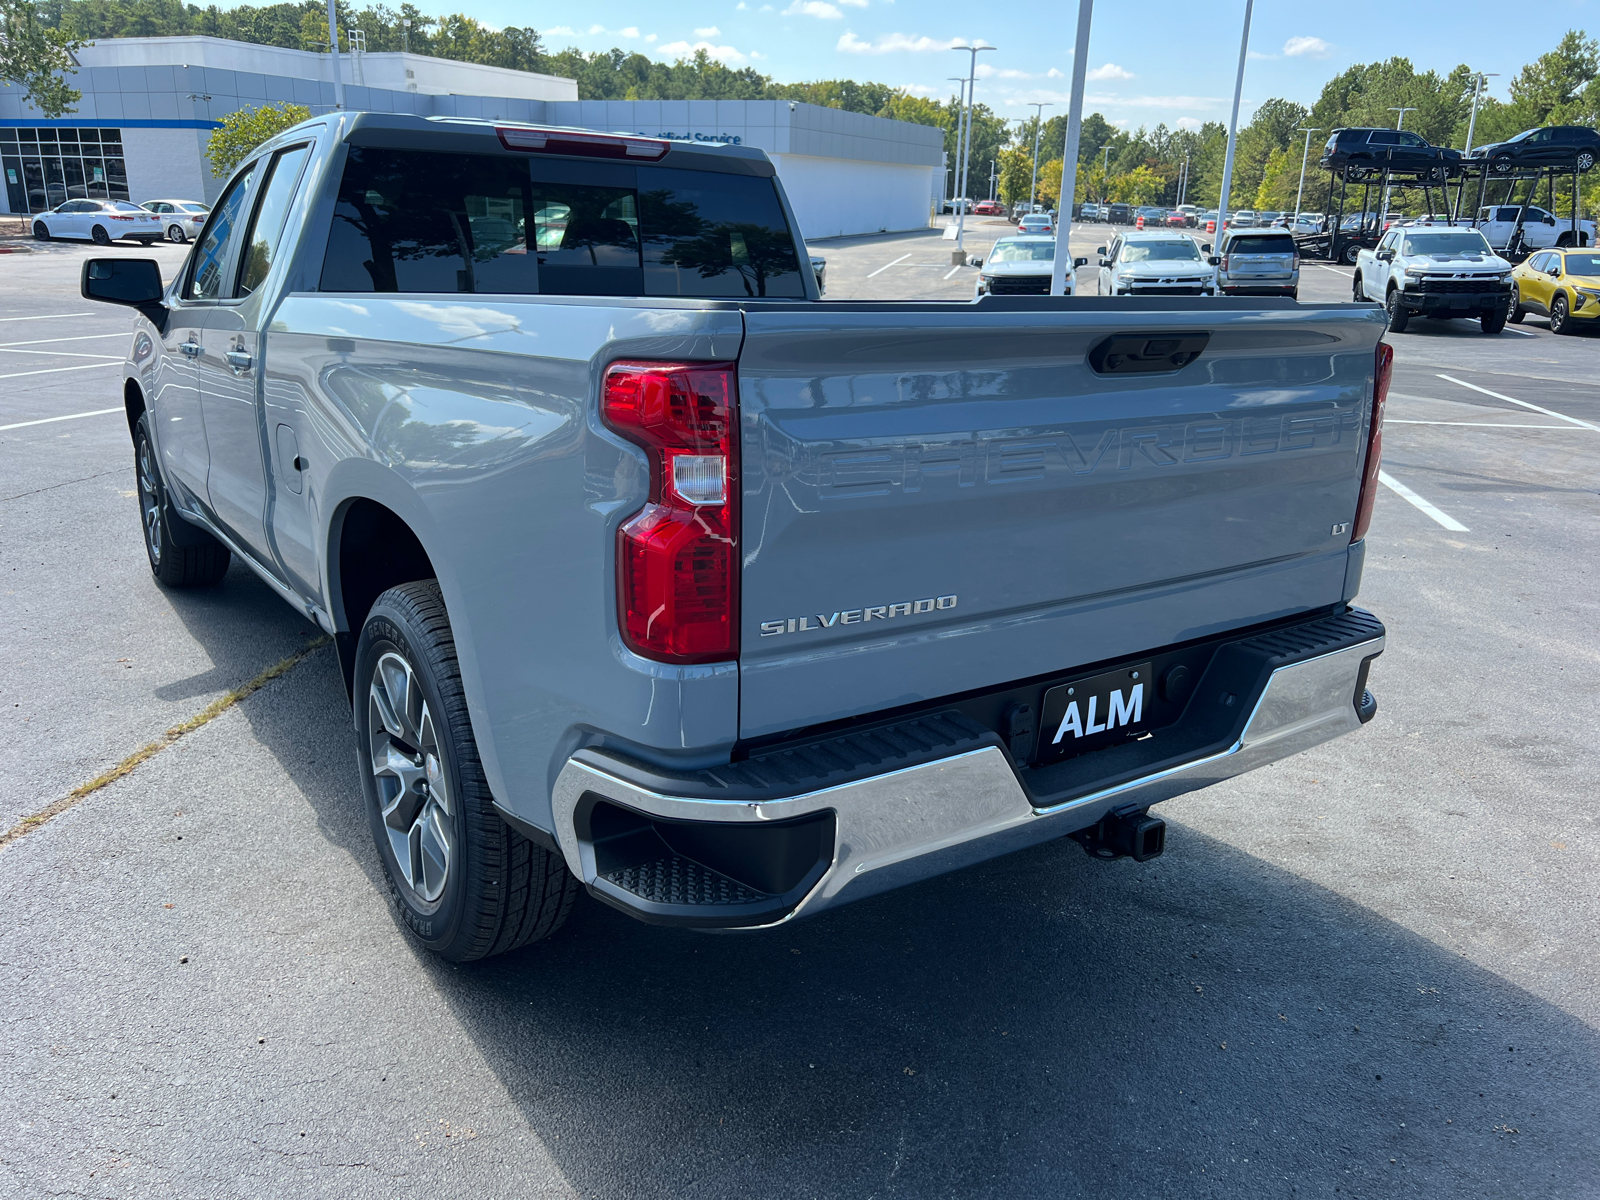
[(732, 848)]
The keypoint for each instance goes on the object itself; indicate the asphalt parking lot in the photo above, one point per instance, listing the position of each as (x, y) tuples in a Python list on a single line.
[(1370, 971)]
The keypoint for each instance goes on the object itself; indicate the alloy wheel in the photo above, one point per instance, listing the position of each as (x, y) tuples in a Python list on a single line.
[(1558, 314), (175, 234), (413, 789), (99, 236), (1585, 159), (149, 502)]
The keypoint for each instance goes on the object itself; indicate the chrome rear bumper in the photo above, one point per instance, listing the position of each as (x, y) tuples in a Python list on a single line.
[(905, 825)]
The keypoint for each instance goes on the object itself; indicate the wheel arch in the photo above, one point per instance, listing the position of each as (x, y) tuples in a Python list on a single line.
[(133, 402)]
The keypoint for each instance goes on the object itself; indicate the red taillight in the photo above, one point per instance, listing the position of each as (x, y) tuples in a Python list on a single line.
[(590, 145), (1225, 262), (1382, 369), (678, 556)]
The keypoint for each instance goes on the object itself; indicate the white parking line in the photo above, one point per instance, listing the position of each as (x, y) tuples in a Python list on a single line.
[(1405, 493), (87, 337), (61, 353), (1335, 270), (952, 270), (99, 412), (886, 266), (58, 370), (1519, 332), (47, 317), (1473, 424), (1513, 400)]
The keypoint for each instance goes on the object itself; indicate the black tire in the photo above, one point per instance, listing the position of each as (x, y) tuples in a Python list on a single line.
[(1515, 313), (498, 890), (1560, 319), (1356, 291), (1501, 164), (145, 241), (40, 232), (1493, 320), (99, 236), (1351, 254), (176, 234), (1585, 160), (1399, 314), (181, 555)]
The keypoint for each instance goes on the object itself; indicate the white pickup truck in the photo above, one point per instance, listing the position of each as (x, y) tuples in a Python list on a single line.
[(1541, 229), (1437, 271)]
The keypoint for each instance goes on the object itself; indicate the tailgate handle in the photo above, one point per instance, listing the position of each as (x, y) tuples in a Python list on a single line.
[(1139, 353)]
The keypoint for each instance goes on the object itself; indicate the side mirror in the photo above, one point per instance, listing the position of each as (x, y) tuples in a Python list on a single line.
[(1213, 260), (1100, 250), (1105, 262), (974, 261), (1080, 262), (1205, 248), (135, 282)]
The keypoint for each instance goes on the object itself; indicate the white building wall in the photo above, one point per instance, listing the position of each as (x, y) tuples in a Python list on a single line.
[(165, 164), (832, 197)]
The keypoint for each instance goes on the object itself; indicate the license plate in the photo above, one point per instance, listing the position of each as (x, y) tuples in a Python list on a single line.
[(1090, 713)]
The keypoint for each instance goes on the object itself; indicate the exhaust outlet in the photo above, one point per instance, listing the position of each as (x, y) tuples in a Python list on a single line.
[(1127, 832)]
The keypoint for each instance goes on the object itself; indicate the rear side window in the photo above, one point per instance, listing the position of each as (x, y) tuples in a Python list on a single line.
[(1280, 244), (421, 221)]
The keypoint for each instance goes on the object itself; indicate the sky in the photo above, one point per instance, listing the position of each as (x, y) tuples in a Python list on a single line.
[(1150, 60)]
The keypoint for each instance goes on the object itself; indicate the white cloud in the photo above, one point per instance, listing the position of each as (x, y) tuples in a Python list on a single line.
[(597, 29), (739, 7), (1256, 54), (561, 31), (986, 71), (1312, 47), (632, 31), (1052, 73), (708, 31), (820, 9), (857, 3), (649, 37), (892, 43), (726, 54), (1109, 71), (1188, 123), (920, 89)]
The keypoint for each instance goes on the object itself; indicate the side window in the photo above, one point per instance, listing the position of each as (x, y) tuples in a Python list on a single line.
[(1384, 137), (1411, 139), (715, 235), (210, 256), (267, 228)]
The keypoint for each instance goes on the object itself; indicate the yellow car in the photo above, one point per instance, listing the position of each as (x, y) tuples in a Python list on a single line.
[(1563, 285)]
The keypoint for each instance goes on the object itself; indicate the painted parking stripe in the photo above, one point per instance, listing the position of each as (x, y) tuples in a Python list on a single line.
[(87, 337), (1513, 400), (1473, 424), (947, 275), (62, 353), (58, 370), (886, 266), (99, 412), (1406, 494), (47, 317)]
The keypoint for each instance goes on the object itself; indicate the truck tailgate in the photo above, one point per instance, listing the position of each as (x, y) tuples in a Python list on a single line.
[(935, 501)]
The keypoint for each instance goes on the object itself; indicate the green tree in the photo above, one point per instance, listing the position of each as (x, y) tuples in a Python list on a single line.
[(246, 129), (37, 55), (1016, 174)]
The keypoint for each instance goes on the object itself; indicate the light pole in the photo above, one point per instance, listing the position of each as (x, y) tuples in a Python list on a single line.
[(972, 89), (993, 163), (1062, 263), (961, 133), (1479, 82), (1233, 126), (333, 47), (1038, 129), (405, 35), (1304, 155), (1105, 165), (1399, 124)]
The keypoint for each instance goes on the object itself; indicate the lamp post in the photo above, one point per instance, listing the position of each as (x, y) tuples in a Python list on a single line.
[(1304, 155), (1480, 81), (405, 35), (961, 134), (1038, 129), (1233, 126), (333, 47), (1105, 165), (1062, 263), (972, 88)]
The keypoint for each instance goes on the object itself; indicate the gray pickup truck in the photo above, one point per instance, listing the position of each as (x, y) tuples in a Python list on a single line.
[(650, 573)]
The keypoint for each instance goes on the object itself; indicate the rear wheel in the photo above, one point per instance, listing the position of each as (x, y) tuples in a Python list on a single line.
[(1560, 320), (1585, 159), (1501, 164), (1398, 313), (40, 233), (99, 236), (181, 554), (1351, 254), (464, 882), (175, 233)]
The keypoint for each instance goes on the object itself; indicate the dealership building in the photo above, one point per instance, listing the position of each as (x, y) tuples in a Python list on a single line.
[(149, 106)]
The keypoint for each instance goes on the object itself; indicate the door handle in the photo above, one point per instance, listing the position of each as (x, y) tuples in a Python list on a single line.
[(1137, 354), (192, 349), (239, 360)]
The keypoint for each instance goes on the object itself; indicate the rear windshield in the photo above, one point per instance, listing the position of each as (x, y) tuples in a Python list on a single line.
[(1269, 244), (422, 221)]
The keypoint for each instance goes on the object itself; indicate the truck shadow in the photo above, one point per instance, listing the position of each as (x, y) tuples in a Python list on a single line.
[(1043, 1024)]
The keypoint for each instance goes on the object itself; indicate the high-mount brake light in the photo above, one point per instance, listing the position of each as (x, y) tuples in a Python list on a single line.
[(1382, 369), (590, 145), (678, 556)]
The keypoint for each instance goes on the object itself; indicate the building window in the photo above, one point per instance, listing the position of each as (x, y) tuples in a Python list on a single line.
[(46, 166)]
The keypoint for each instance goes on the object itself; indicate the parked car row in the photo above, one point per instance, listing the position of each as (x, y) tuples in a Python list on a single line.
[(105, 221), (1363, 153)]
